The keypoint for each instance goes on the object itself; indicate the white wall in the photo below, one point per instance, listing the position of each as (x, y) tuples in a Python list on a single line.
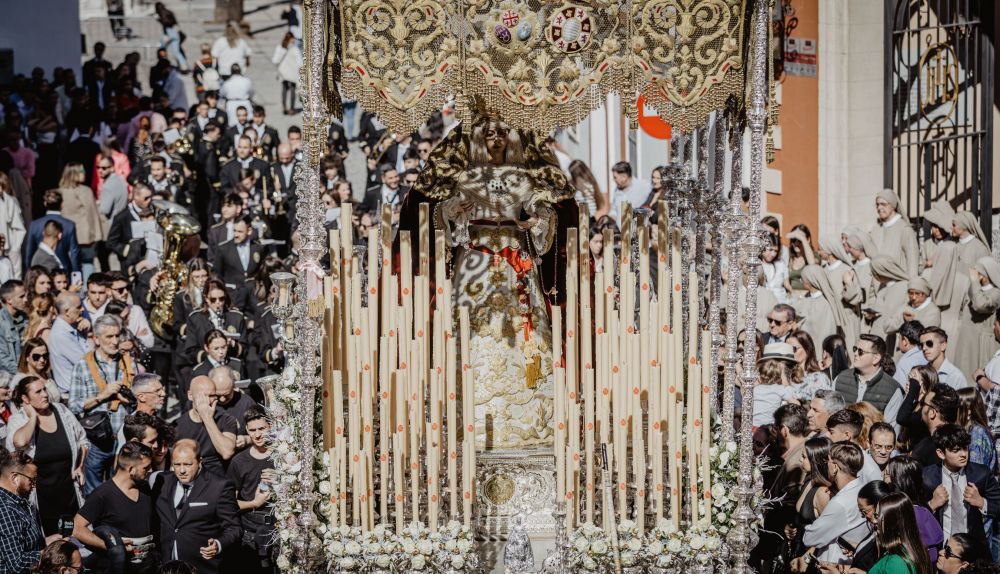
[(42, 33)]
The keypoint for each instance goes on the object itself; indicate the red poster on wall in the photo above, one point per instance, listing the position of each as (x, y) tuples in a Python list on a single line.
[(652, 124)]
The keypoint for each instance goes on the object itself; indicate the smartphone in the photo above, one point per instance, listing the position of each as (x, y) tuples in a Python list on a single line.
[(76, 278), (850, 548)]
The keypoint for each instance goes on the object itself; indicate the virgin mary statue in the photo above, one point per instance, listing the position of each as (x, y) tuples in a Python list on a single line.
[(504, 205)]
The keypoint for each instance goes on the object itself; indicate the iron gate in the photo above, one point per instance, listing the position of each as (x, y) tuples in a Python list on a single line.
[(939, 99)]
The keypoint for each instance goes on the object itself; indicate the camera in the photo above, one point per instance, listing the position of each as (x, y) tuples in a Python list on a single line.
[(127, 394)]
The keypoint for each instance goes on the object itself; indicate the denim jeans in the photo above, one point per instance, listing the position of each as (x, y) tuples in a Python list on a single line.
[(350, 109), (173, 46), (96, 468)]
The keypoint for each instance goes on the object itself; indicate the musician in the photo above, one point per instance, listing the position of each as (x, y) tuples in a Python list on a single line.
[(229, 177), (199, 121), (237, 260), (207, 169), (215, 353), (389, 192), (265, 341), (283, 173), (215, 113), (267, 137), (294, 138), (231, 209), (164, 182), (189, 298), (232, 135), (216, 312), (121, 226)]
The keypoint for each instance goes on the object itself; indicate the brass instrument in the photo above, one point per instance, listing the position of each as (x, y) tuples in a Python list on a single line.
[(277, 197), (177, 227), (258, 152)]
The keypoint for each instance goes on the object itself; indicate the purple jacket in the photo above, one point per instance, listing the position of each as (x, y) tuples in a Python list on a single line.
[(930, 531)]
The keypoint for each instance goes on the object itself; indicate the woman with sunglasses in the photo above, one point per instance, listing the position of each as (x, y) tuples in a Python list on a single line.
[(35, 362), (898, 539), (216, 313), (907, 475), (960, 552), (60, 557), (50, 434)]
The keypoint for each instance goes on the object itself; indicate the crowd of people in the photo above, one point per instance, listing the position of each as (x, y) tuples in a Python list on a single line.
[(134, 444)]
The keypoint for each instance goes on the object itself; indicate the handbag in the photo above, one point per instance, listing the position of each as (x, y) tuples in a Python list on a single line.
[(97, 426)]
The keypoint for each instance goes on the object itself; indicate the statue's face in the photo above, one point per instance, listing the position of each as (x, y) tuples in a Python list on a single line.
[(496, 141)]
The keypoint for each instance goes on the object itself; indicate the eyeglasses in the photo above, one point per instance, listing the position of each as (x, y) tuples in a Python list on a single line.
[(39, 356), (120, 289), (773, 321), (216, 299), (155, 391), (31, 479), (949, 553), (859, 351), (928, 344)]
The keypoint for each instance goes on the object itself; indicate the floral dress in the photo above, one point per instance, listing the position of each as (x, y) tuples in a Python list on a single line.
[(495, 275)]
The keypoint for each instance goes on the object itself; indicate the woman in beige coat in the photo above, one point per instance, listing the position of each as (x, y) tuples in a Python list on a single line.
[(79, 206)]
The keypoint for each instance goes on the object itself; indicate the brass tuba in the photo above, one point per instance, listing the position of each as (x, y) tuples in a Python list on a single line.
[(177, 227)]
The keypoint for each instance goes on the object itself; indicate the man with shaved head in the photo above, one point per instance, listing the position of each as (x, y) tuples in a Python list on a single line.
[(208, 426), (196, 509)]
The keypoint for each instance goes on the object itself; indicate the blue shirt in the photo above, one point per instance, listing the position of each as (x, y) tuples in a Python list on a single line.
[(913, 358), (66, 348)]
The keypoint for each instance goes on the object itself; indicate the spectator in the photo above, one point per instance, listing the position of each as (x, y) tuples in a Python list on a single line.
[(34, 362), (12, 227), (96, 395), (197, 537), (79, 206), (898, 538), (628, 189), (237, 90), (781, 322), (814, 378), (13, 322), (881, 443), (906, 474), (67, 339), (59, 557), (846, 426), (894, 236), (68, 250), (21, 538), (773, 388), (816, 490), (821, 407), (870, 416), (252, 473), (866, 553), (172, 35), (97, 297), (868, 380), (50, 434), (117, 521), (938, 407), (959, 554), (988, 383), (288, 58), (935, 344), (841, 518), (774, 269), (231, 50), (972, 417), (233, 402), (835, 358), (588, 191), (964, 494), (45, 256), (908, 344), (113, 189), (208, 426), (800, 254)]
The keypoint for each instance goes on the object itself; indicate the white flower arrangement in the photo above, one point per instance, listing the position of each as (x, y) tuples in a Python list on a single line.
[(630, 543), (665, 546), (590, 549), (703, 542)]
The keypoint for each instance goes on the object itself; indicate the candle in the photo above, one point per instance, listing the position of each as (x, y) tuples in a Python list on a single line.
[(468, 419), (559, 408)]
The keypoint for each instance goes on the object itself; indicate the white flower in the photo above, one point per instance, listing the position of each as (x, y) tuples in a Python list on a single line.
[(628, 559), (425, 547), (674, 546), (589, 564), (352, 547), (451, 546), (634, 545), (581, 544), (383, 560), (724, 459), (347, 563), (418, 562), (464, 545), (336, 547), (721, 516), (731, 446), (718, 491), (697, 542), (283, 563), (408, 546), (713, 543), (599, 547), (373, 548), (285, 534), (457, 562)]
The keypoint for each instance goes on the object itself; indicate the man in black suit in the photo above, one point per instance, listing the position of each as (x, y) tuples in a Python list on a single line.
[(230, 138), (197, 511), (781, 321), (97, 61), (389, 191), (221, 232), (68, 250), (229, 178), (267, 136), (963, 494), (45, 255), (283, 172), (120, 234), (99, 88), (237, 260)]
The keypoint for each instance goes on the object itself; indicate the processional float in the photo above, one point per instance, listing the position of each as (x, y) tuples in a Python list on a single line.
[(376, 423)]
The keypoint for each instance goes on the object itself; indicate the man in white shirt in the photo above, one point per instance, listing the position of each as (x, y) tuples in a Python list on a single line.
[(237, 90), (841, 517), (628, 189), (934, 341)]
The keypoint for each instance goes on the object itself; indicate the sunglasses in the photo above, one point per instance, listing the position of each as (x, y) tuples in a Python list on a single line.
[(949, 553), (928, 344), (216, 299), (773, 321), (39, 356), (859, 351)]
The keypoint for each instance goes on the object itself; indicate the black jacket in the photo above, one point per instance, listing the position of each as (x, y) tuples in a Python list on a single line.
[(226, 263), (198, 325), (229, 177), (210, 512), (988, 487), (120, 234)]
